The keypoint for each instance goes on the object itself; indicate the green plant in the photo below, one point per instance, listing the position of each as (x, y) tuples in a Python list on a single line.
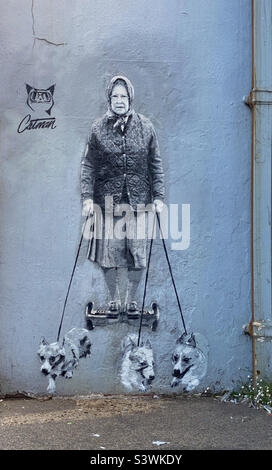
[(261, 395)]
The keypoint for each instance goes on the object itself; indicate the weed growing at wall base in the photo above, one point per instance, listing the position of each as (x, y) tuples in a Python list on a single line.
[(259, 397)]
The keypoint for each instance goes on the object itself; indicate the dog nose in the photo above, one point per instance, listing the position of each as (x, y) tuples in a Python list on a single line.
[(151, 377), (176, 373), (45, 371)]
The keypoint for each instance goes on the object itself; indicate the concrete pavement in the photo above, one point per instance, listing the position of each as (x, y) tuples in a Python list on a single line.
[(132, 423)]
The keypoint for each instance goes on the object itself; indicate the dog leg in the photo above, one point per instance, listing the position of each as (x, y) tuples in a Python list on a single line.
[(174, 382), (191, 385), (52, 384), (142, 388), (68, 374)]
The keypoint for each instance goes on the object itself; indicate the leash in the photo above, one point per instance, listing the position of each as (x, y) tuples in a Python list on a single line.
[(72, 275), (171, 274), (146, 279)]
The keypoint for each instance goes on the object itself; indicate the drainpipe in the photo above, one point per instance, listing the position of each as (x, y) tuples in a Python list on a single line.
[(260, 101)]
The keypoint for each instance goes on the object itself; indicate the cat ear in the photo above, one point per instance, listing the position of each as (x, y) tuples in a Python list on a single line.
[(28, 88), (51, 89)]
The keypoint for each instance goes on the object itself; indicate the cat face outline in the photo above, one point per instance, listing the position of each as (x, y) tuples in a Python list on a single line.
[(40, 99)]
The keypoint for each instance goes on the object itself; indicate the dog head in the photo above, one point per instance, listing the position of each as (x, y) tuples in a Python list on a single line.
[(184, 358), (137, 367), (52, 356), (141, 358)]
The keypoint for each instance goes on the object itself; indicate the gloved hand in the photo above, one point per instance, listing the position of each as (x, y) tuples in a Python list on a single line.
[(87, 207)]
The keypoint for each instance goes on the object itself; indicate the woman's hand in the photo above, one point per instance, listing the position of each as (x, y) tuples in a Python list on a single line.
[(158, 205), (87, 207)]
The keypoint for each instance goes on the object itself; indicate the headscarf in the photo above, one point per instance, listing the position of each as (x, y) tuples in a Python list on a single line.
[(120, 120)]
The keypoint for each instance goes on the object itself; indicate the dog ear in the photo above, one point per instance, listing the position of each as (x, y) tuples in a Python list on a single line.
[(83, 340), (132, 342), (43, 342), (180, 340), (132, 357), (192, 340), (148, 344)]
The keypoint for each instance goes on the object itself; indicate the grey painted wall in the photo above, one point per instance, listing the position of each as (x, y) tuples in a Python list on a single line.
[(190, 64)]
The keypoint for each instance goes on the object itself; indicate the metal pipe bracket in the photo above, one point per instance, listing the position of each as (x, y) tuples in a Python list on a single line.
[(260, 330)]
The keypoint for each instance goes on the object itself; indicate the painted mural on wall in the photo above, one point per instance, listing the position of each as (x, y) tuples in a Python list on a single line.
[(122, 192), (121, 175), (59, 359), (57, 94)]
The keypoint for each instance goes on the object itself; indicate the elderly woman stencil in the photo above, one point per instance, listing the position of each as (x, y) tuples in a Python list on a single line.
[(122, 161)]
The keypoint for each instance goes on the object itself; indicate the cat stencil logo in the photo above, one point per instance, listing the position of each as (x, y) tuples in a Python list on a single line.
[(40, 101)]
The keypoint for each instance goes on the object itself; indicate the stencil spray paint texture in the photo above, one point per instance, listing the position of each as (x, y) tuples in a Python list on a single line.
[(59, 359), (190, 361), (137, 365), (122, 163), (175, 92)]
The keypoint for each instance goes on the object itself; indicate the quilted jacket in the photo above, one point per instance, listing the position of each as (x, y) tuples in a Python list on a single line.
[(117, 160)]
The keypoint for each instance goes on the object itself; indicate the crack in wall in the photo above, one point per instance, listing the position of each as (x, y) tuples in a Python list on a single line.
[(33, 19), (50, 42), (36, 38)]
